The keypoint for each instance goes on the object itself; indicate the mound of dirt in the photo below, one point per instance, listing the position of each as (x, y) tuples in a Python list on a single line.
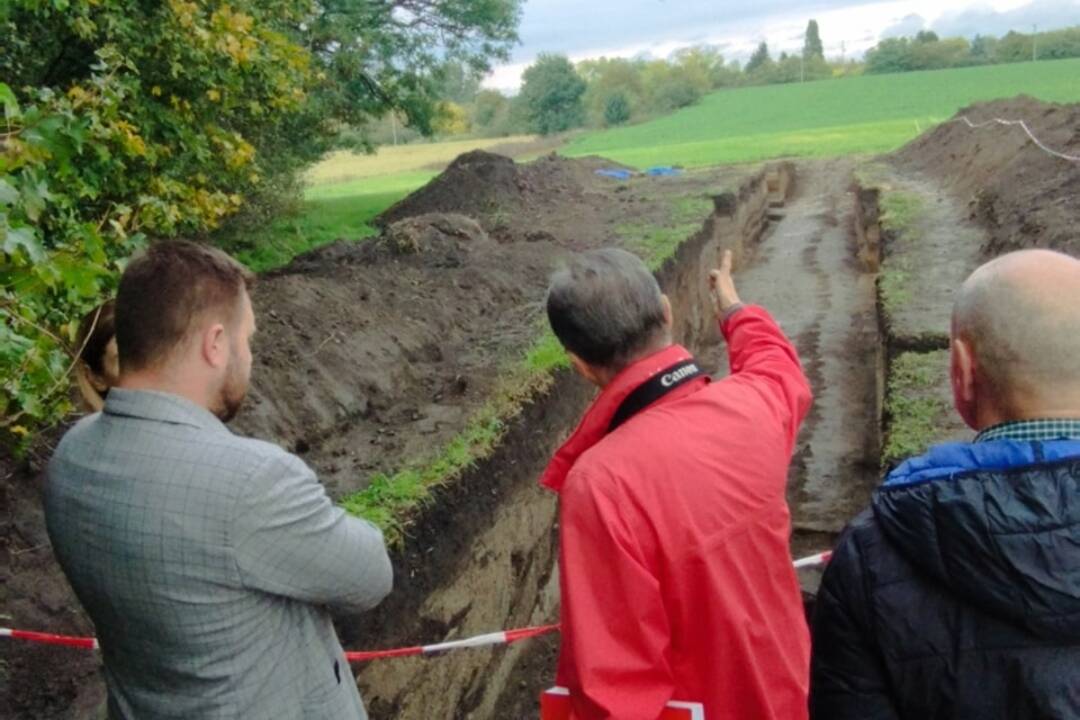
[(491, 188), (369, 355), (1023, 196)]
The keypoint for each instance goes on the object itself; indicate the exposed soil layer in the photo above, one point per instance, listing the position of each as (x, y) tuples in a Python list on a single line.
[(367, 357), (1023, 196)]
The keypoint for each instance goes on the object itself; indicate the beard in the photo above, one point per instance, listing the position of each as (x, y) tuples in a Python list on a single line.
[(232, 393)]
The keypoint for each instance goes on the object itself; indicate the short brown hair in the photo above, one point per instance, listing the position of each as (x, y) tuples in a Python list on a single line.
[(167, 289)]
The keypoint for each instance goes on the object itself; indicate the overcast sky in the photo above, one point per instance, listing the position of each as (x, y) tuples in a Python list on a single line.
[(593, 28)]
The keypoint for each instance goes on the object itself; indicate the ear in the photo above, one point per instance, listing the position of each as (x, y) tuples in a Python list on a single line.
[(963, 372), (215, 346), (669, 316), (585, 370)]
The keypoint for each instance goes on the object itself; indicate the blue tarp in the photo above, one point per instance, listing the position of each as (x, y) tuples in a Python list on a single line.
[(663, 171), (615, 173), (657, 171)]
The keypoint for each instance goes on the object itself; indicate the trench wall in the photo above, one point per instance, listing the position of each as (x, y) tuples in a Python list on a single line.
[(482, 556), (914, 393)]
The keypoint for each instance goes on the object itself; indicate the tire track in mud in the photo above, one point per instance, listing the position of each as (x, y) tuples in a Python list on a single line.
[(805, 273)]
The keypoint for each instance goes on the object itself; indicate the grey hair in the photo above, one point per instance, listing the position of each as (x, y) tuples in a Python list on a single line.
[(606, 307), (1026, 338)]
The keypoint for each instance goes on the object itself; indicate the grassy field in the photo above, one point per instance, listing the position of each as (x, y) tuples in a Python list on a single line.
[(861, 115), (344, 166), (868, 114)]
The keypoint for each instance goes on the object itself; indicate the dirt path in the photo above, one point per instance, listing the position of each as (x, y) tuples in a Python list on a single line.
[(805, 273)]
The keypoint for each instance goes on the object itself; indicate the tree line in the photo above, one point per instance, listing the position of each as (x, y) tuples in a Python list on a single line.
[(557, 95)]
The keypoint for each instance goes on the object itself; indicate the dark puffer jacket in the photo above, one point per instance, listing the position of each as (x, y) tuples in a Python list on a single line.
[(958, 595)]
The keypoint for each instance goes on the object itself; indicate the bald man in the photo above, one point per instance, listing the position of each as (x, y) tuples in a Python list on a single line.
[(957, 595)]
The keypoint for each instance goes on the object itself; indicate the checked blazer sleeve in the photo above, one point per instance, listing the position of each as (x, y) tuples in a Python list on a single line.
[(291, 540)]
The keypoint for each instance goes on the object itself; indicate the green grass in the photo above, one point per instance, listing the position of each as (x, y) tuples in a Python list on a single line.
[(343, 211), (915, 410), (656, 243), (390, 501), (867, 114)]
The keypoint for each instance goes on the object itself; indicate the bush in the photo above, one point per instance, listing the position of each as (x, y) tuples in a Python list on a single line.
[(126, 120), (617, 110)]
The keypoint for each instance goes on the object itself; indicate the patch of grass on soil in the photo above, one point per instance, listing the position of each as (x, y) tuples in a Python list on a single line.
[(900, 211), (390, 501), (917, 414), (342, 211), (866, 114), (656, 243)]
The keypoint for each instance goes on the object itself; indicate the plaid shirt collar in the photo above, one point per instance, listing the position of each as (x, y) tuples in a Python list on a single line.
[(1032, 430)]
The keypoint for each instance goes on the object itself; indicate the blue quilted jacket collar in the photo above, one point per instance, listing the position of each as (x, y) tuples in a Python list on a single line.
[(953, 459)]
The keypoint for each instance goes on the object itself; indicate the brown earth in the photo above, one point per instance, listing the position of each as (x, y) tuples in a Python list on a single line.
[(368, 356), (1023, 196), (372, 355)]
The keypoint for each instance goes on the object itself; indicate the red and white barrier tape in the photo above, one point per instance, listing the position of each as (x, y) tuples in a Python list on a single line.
[(818, 560), (496, 638), (1023, 126), (504, 637)]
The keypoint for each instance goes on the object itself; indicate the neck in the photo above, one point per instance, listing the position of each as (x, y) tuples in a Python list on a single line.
[(606, 375), (163, 381), (1064, 408)]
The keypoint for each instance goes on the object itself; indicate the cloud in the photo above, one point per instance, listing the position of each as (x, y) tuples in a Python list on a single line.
[(984, 20), (905, 27)]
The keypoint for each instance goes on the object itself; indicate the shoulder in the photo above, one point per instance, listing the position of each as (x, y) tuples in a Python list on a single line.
[(267, 460)]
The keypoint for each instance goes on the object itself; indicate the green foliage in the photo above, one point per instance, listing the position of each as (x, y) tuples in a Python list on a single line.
[(617, 110), (491, 113), (812, 47), (551, 94), (759, 60), (125, 120), (927, 51), (916, 413), (606, 78), (126, 129), (862, 114)]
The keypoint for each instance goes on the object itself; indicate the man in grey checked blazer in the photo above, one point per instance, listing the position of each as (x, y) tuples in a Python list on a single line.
[(206, 560)]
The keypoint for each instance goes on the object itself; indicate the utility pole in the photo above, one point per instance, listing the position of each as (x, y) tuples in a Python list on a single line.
[(1034, 43), (393, 125)]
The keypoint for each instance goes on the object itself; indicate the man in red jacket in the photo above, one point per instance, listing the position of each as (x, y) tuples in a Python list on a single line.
[(675, 568)]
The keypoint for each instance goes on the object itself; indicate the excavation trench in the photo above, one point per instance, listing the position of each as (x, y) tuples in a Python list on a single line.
[(482, 556)]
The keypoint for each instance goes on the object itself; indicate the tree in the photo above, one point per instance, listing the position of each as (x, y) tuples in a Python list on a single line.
[(551, 93), (607, 77), (889, 56), (127, 119), (458, 82), (451, 119), (812, 47), (759, 59), (617, 110), (491, 112)]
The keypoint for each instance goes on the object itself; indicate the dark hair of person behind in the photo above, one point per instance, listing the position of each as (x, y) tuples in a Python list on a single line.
[(95, 331), (605, 307), (166, 290)]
